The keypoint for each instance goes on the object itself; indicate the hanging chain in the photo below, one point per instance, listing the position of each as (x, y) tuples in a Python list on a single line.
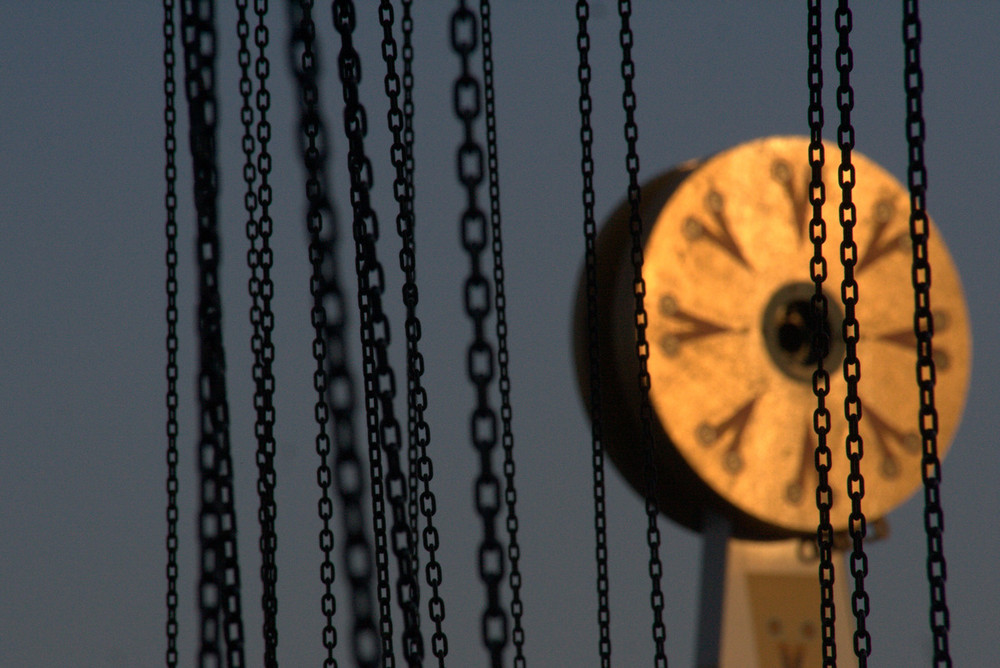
[(170, 201), (332, 379), (380, 390), (416, 397), (421, 467), (500, 301), (483, 422), (219, 592), (343, 18), (424, 466), (852, 366), (923, 327), (260, 287), (302, 41), (821, 338), (642, 346), (264, 396), (412, 447), (403, 517), (593, 347)]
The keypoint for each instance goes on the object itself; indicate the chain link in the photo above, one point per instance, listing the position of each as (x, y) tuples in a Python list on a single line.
[(593, 347), (483, 422), (170, 202), (260, 287), (421, 466), (354, 121), (503, 355), (590, 233), (332, 379), (923, 327), (852, 366), (265, 405), (821, 338), (642, 346), (380, 386), (265, 383), (219, 593), (417, 432)]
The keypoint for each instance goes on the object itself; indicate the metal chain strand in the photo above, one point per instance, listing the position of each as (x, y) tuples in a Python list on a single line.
[(170, 202), (852, 366), (923, 327), (304, 64), (503, 355), (427, 503), (265, 405), (642, 346), (421, 467), (332, 379), (416, 397), (593, 348), (403, 516), (483, 422), (821, 338), (380, 385), (219, 593), (347, 64), (261, 288)]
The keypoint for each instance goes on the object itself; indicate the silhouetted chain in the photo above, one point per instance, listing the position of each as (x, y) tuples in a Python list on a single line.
[(483, 422), (503, 355), (369, 282), (923, 328), (332, 378), (218, 590), (260, 287), (265, 404), (641, 344), (380, 385), (424, 470), (852, 365), (170, 202), (421, 465), (416, 397), (593, 347), (821, 338)]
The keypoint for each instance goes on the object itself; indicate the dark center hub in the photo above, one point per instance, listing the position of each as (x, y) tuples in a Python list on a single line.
[(795, 336)]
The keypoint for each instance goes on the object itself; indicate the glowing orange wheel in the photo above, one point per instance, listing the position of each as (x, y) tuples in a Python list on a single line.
[(730, 326)]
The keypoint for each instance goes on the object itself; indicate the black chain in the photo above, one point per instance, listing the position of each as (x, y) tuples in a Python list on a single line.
[(303, 34), (304, 64), (416, 397), (332, 379), (852, 366), (260, 287), (264, 396), (821, 338), (383, 428), (483, 422), (642, 345), (403, 515), (424, 469), (503, 356), (923, 327), (400, 124), (353, 115), (593, 346), (219, 593), (170, 201)]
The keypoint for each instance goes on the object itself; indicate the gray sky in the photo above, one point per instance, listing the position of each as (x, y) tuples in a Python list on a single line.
[(81, 313)]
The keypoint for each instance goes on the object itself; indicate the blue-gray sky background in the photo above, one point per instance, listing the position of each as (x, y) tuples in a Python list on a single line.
[(82, 463)]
